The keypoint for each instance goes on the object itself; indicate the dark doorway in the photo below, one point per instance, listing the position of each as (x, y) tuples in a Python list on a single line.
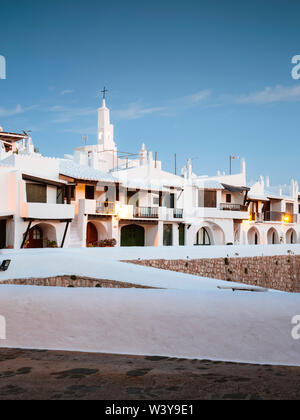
[(2, 234), (89, 192), (91, 234), (132, 235), (181, 235), (168, 235)]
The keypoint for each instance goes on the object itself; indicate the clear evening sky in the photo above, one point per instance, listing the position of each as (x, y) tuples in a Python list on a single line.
[(203, 79)]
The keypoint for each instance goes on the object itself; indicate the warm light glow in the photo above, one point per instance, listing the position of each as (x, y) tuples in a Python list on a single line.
[(252, 217), (286, 219), (122, 211)]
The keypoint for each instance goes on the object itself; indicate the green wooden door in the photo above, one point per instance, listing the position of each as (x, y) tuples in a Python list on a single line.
[(132, 235), (181, 234)]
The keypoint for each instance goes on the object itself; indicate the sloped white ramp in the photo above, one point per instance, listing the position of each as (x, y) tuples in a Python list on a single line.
[(217, 325)]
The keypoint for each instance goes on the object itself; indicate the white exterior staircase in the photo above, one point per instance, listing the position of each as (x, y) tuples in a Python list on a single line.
[(75, 240)]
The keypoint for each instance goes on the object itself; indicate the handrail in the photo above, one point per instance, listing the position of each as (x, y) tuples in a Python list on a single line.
[(178, 213), (233, 207), (145, 212), (106, 207)]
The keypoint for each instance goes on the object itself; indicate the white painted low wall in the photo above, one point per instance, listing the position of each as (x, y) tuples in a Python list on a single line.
[(168, 252), (47, 211), (244, 327)]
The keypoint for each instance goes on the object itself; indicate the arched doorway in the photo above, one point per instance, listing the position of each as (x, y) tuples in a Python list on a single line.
[(132, 235), (291, 237), (42, 235), (253, 236), (35, 238), (202, 237), (273, 237), (91, 234)]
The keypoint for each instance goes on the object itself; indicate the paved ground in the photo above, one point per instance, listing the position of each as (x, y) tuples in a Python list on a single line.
[(31, 374)]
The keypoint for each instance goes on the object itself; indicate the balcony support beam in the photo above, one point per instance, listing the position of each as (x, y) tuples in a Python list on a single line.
[(65, 234), (26, 234)]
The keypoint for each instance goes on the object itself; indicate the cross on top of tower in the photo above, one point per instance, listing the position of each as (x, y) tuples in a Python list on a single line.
[(104, 91)]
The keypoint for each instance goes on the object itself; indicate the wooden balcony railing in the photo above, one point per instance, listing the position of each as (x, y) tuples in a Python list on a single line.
[(233, 207), (146, 212)]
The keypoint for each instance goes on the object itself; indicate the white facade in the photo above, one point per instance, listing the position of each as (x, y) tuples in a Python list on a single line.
[(98, 194)]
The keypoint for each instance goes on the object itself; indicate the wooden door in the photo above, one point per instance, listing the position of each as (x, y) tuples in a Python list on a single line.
[(91, 234), (35, 239)]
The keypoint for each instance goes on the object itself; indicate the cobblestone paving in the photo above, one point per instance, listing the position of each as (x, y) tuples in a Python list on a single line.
[(57, 375)]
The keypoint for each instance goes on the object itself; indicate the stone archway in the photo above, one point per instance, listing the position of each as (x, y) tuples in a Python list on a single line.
[(42, 235), (291, 236), (91, 234), (217, 234), (211, 230), (203, 237), (132, 235), (273, 237), (253, 236)]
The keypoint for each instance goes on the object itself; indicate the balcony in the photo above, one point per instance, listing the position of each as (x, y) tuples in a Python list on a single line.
[(178, 213), (278, 216), (145, 212), (256, 217), (47, 211), (107, 207), (233, 207)]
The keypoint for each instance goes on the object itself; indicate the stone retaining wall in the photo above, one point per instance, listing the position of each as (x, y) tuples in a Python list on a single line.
[(74, 281), (276, 272)]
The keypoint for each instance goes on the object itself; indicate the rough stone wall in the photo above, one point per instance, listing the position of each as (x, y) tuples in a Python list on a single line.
[(276, 272), (74, 281)]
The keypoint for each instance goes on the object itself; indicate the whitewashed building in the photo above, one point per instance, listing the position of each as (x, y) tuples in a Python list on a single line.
[(99, 197)]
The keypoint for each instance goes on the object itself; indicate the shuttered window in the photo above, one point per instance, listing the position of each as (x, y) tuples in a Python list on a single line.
[(207, 198), (60, 195), (36, 193)]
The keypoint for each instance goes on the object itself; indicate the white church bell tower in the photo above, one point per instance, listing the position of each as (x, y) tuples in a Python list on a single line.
[(105, 128)]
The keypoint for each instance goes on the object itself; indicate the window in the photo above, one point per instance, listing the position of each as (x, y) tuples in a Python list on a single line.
[(156, 200), (207, 198), (89, 192), (60, 195), (169, 200), (36, 193), (172, 201), (36, 233), (228, 198)]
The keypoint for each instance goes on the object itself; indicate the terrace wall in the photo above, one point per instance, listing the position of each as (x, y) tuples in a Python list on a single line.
[(276, 272)]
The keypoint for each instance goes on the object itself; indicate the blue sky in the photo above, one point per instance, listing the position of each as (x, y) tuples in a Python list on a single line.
[(202, 79)]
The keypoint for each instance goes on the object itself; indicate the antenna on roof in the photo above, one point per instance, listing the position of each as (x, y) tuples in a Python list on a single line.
[(85, 140), (27, 133)]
